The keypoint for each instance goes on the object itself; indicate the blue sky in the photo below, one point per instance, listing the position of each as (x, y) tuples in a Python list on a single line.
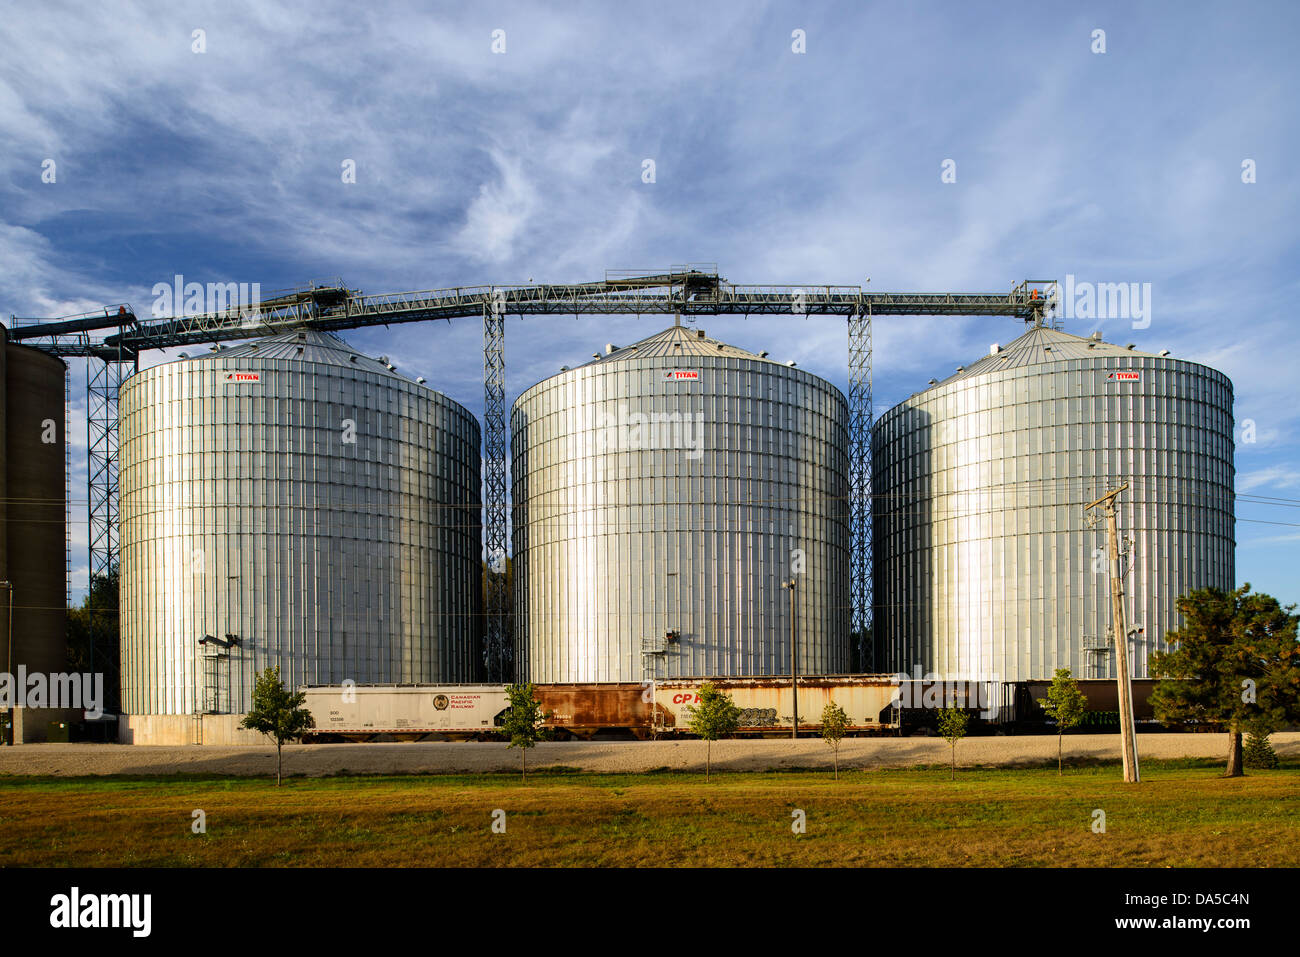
[(820, 167)]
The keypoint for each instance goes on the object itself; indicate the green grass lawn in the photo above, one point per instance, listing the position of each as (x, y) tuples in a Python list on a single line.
[(1183, 814)]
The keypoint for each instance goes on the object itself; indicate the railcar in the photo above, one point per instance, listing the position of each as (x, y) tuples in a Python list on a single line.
[(875, 704)]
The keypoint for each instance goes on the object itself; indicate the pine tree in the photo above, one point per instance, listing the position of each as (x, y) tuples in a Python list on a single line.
[(1235, 662)]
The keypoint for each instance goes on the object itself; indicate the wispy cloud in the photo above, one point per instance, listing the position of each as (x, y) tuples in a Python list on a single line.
[(1275, 476)]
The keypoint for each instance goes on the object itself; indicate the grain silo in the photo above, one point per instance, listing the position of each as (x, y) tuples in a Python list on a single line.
[(662, 493), (33, 530), (292, 502), (986, 566)]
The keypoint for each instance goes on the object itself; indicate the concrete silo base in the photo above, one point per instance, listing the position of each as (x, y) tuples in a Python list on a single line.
[(175, 729)]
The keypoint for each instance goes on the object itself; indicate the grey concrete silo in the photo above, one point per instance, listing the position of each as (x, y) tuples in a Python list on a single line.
[(33, 529)]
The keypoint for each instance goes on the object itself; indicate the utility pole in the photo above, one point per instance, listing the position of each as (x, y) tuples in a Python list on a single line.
[(1119, 629), (794, 662)]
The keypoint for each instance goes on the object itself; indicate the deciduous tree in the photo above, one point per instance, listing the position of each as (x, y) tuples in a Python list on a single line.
[(524, 723), (277, 714), (714, 716), (834, 723), (952, 726), (1066, 705)]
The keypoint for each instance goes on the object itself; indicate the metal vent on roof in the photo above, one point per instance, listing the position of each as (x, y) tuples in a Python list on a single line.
[(995, 349), (961, 368), (1164, 352), (763, 355), (699, 333), (790, 363), (1131, 345)]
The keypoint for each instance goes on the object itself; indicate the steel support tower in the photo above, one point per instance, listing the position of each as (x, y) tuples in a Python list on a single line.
[(498, 648), (860, 501)]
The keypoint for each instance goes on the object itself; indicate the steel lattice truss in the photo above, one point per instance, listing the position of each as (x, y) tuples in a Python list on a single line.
[(497, 646), (860, 518), (116, 337)]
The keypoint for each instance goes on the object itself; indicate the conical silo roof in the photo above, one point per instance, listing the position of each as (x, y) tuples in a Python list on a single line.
[(1041, 345), (308, 345), (678, 341)]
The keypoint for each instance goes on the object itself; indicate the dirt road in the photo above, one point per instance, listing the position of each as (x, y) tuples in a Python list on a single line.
[(607, 756)]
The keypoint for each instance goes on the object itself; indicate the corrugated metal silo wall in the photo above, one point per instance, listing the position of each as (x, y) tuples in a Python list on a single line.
[(245, 512), (985, 565), (624, 531)]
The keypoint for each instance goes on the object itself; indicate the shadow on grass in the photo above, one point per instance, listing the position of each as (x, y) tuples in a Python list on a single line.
[(347, 778)]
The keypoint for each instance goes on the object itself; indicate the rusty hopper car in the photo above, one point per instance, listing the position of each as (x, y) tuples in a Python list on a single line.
[(655, 709), (767, 706), (404, 711)]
